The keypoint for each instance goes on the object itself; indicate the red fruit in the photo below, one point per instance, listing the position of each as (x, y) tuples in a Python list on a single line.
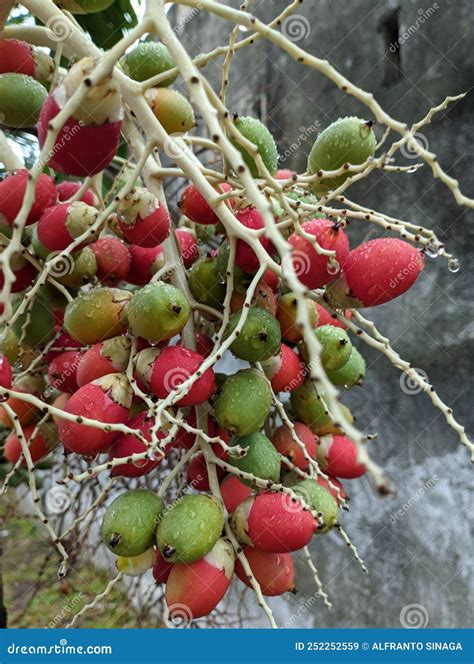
[(107, 400), (161, 569), (193, 204), (68, 189), (62, 224), (338, 456), (62, 371), (204, 344), (329, 484), (20, 58), (275, 572), (24, 273), (273, 522), (284, 174), (233, 492), (245, 257), (165, 369), (144, 262), (188, 245), (194, 590), (197, 473), (126, 445), (313, 269), (12, 191), (377, 271), (325, 318), (40, 445), (6, 374), (286, 371), (290, 449), (271, 279), (113, 260), (89, 139), (105, 357), (64, 340), (143, 220)]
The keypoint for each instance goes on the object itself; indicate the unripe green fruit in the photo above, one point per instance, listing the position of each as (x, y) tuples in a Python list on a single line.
[(336, 347), (39, 249), (189, 528), (240, 279), (84, 6), (243, 403), (97, 314), (82, 270), (319, 498), (148, 59), (21, 99), (205, 283), (260, 337), (35, 327), (351, 373), (262, 459), (171, 109), (256, 132), (158, 311), (307, 407), (129, 523), (348, 140)]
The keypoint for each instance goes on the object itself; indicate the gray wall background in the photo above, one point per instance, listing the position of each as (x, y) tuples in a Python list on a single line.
[(422, 556)]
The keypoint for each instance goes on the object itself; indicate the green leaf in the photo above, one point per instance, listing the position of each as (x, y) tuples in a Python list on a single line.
[(108, 27)]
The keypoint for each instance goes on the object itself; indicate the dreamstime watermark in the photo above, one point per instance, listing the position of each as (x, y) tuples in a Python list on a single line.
[(58, 28), (178, 616), (408, 150), (414, 616), (174, 378), (410, 385), (61, 648), (304, 134), (296, 28), (400, 277), (59, 144), (181, 24), (58, 499), (304, 607), (423, 16), (66, 610), (175, 146), (429, 484)]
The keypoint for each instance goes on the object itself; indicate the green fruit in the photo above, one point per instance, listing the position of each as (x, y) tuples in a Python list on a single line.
[(79, 271), (241, 280), (158, 311), (97, 314), (262, 459), (351, 373), (307, 407), (260, 337), (129, 523), (171, 109), (21, 99), (243, 402), (256, 132), (148, 59), (320, 499), (35, 327), (348, 140), (205, 284), (84, 6), (336, 347), (189, 528), (39, 249), (204, 232)]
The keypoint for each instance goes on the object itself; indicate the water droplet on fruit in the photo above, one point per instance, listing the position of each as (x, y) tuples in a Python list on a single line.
[(453, 265)]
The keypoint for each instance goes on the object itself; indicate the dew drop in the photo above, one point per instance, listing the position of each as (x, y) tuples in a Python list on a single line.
[(453, 265), (433, 249)]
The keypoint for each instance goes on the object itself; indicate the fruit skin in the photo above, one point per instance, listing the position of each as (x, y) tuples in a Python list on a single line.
[(62, 224), (289, 448), (129, 523), (233, 492), (308, 408), (158, 311), (108, 400), (6, 374), (197, 474), (274, 572), (336, 347), (84, 6), (163, 370), (62, 371), (256, 132), (67, 189), (273, 522), (19, 57), (127, 444), (161, 569), (245, 257), (286, 315), (146, 60), (260, 337), (40, 445), (188, 246), (376, 272), (195, 207), (26, 412), (205, 284), (204, 344), (97, 314), (172, 110), (144, 263), (12, 192), (105, 357), (337, 456), (142, 219), (24, 273), (264, 297), (319, 499), (113, 260), (351, 373), (285, 372), (21, 99), (195, 590), (349, 140), (313, 269), (189, 528), (35, 327), (136, 565), (261, 459), (243, 402), (325, 318)]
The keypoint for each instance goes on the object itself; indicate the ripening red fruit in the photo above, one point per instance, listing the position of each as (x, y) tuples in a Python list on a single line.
[(204, 344), (274, 572), (165, 369), (233, 492), (19, 57), (62, 224), (62, 371), (63, 341), (127, 444), (312, 269), (39, 445), (284, 174), (194, 206), (325, 318), (375, 272), (286, 371), (6, 374), (161, 569), (289, 448), (24, 273), (144, 262), (105, 357), (113, 260), (89, 139), (197, 474), (108, 400), (142, 219), (193, 590), (273, 522), (332, 484), (67, 189), (12, 191), (272, 280), (245, 257), (338, 456), (188, 245)]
